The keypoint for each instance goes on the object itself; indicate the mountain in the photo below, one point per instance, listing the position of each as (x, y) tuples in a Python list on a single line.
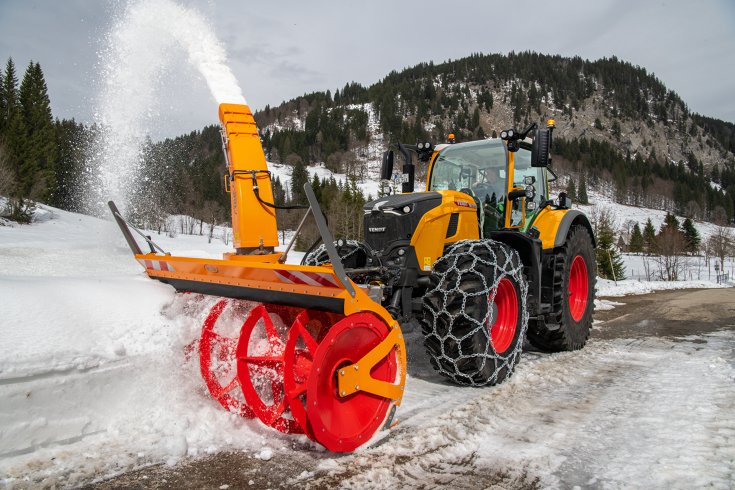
[(617, 124)]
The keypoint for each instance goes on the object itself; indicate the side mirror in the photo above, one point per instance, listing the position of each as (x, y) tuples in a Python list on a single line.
[(386, 171), (540, 148)]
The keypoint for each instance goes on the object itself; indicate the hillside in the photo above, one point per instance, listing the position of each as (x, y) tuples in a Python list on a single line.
[(626, 119)]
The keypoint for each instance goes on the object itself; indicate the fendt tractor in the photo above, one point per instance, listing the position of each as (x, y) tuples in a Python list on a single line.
[(482, 259)]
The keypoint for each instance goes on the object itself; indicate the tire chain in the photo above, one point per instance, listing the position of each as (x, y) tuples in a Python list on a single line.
[(503, 267), (322, 249)]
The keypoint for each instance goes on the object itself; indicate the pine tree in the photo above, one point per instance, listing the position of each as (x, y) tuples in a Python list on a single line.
[(299, 177), (571, 190), (636, 240), (691, 235), (607, 254), (36, 110), (8, 95), (670, 222), (582, 195), (649, 237), (475, 119)]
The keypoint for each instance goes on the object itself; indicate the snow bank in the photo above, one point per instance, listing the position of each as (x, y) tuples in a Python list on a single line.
[(606, 288), (93, 365)]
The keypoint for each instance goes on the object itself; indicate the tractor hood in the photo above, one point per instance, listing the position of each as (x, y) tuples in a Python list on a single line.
[(393, 218)]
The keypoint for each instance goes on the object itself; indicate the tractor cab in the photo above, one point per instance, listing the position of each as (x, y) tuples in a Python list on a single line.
[(508, 190)]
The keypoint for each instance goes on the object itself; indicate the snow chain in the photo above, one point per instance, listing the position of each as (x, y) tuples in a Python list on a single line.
[(487, 255), (311, 259)]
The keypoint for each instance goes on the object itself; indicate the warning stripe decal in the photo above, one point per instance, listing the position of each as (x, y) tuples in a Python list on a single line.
[(308, 278), (157, 265)]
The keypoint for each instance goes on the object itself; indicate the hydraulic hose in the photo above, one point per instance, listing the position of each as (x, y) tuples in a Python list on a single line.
[(256, 190)]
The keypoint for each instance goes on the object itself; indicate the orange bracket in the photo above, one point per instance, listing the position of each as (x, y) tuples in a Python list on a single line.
[(356, 377)]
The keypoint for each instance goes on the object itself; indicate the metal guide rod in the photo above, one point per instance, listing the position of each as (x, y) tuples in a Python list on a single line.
[(125, 227), (327, 238), (283, 257), (125, 230)]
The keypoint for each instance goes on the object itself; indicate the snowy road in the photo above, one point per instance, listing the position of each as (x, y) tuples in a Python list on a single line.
[(631, 410)]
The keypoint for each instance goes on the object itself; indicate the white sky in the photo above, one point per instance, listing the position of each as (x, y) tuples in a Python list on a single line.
[(279, 50)]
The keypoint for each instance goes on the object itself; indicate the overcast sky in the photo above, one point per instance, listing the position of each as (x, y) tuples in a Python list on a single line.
[(279, 50)]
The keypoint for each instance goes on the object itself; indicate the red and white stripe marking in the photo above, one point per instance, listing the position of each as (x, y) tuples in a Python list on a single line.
[(308, 278), (158, 265)]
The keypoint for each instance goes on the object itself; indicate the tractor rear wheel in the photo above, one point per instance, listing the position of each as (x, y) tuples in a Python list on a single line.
[(568, 326), (475, 314)]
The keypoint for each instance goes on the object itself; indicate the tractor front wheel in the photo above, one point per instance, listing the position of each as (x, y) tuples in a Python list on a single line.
[(475, 313)]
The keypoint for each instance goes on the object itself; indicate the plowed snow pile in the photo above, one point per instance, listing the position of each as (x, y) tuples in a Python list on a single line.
[(95, 381)]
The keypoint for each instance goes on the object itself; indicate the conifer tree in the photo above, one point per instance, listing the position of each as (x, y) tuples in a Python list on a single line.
[(8, 95), (607, 254), (36, 109), (670, 222), (582, 195), (649, 237), (475, 119), (571, 190), (636, 240), (299, 177), (691, 235)]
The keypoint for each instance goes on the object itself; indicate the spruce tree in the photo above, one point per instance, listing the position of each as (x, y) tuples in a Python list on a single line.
[(691, 235), (571, 190), (582, 195), (607, 254), (9, 97), (475, 119), (36, 109), (649, 237), (670, 222), (299, 177), (636, 240)]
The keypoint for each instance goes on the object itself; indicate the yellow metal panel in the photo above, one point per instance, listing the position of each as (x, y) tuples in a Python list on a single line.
[(430, 235), (547, 222)]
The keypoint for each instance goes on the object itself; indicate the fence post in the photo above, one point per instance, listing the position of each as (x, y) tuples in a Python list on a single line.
[(612, 266)]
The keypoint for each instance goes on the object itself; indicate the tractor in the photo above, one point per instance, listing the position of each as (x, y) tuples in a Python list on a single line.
[(483, 259)]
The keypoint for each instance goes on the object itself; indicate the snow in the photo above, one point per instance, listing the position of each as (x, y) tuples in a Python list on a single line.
[(96, 381), (138, 52), (607, 288)]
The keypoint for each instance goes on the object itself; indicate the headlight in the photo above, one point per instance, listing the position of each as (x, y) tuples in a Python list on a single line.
[(503, 134), (421, 146), (406, 209), (510, 133), (530, 192)]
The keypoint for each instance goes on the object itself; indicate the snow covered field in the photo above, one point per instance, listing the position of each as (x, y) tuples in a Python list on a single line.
[(95, 382)]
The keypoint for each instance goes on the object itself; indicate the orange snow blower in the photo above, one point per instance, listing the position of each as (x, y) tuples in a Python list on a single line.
[(483, 259), (338, 371)]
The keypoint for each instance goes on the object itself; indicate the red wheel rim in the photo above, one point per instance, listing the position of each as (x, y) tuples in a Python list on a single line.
[(308, 326), (224, 365), (343, 424), (267, 369), (505, 303), (578, 288)]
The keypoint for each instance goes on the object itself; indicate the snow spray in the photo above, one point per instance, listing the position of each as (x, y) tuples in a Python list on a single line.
[(133, 60)]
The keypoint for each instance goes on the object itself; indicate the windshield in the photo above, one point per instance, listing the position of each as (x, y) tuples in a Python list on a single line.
[(477, 169)]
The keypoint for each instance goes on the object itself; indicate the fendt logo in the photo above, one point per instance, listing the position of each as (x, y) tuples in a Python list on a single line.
[(377, 230)]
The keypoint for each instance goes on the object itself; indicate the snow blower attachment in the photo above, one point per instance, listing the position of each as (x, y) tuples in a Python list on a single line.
[(339, 368), (483, 259)]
